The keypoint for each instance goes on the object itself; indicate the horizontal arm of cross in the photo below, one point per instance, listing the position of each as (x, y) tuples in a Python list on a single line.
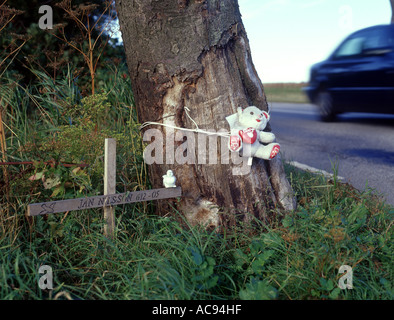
[(36, 209)]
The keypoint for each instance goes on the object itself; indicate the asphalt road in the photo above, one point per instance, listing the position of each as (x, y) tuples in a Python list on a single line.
[(361, 145)]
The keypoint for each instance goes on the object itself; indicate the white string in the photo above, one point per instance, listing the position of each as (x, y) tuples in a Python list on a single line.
[(198, 130), (188, 115)]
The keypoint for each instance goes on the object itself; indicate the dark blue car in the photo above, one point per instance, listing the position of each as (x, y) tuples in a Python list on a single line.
[(358, 76)]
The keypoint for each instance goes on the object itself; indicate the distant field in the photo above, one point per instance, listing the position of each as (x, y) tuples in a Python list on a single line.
[(285, 92)]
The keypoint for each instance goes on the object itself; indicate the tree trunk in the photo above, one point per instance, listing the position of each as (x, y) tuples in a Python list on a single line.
[(392, 10), (195, 54)]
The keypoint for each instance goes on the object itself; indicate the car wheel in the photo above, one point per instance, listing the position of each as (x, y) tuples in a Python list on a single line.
[(326, 106)]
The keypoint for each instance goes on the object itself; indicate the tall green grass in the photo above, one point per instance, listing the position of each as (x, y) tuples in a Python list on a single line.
[(155, 258), (296, 256), (35, 120)]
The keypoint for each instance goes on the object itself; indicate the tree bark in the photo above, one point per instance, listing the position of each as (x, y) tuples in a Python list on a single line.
[(195, 54), (392, 10)]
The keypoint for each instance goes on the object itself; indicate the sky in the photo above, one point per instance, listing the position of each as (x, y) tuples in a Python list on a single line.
[(288, 36)]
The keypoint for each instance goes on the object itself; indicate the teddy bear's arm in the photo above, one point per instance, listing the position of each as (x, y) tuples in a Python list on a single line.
[(266, 137)]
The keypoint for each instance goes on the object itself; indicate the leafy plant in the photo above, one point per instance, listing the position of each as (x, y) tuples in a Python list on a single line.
[(326, 290), (81, 141), (203, 270), (253, 264), (258, 289)]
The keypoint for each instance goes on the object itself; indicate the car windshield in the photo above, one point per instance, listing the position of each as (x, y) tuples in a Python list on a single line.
[(351, 47)]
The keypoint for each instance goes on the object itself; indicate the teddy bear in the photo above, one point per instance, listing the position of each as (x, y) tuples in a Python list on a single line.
[(247, 135)]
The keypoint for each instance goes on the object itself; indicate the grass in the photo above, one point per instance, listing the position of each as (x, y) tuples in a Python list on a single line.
[(155, 258), (285, 92), (292, 257)]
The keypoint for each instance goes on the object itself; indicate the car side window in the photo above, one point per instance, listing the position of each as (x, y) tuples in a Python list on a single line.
[(350, 48), (374, 41), (378, 39)]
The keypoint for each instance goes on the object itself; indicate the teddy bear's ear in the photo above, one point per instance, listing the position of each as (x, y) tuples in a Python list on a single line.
[(266, 114), (239, 111)]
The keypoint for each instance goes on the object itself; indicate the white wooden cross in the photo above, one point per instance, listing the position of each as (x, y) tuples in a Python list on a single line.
[(109, 199)]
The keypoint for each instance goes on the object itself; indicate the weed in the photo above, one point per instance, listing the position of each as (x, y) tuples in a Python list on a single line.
[(82, 16)]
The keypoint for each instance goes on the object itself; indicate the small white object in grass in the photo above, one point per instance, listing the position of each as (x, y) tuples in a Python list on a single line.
[(169, 179)]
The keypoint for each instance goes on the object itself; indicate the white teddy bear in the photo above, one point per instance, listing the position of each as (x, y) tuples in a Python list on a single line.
[(247, 127)]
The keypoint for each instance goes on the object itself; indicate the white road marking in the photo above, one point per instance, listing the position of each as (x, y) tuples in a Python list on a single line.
[(312, 169)]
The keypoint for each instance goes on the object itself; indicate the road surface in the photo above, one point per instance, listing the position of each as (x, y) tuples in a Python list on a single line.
[(361, 145)]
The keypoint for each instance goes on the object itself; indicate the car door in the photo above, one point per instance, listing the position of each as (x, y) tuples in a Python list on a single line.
[(375, 72)]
